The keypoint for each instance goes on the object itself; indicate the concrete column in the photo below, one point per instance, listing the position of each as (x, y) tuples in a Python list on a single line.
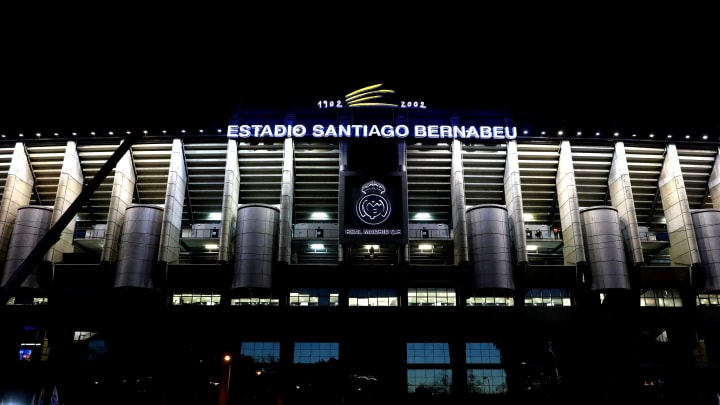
[(287, 195), (457, 198), (402, 166), (573, 246), (343, 161), (513, 199), (69, 187), (120, 198), (622, 200), (714, 183), (31, 225), (231, 198), (169, 249), (138, 250), (18, 191), (683, 245)]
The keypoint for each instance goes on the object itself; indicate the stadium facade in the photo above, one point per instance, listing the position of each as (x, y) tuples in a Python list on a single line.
[(361, 254)]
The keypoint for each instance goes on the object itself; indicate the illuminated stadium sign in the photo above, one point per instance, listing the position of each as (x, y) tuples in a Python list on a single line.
[(373, 207), (374, 97), (365, 131)]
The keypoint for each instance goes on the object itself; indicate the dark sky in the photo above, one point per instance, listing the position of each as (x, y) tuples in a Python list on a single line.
[(133, 71)]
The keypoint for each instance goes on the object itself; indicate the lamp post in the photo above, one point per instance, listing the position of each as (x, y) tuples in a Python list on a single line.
[(224, 393)]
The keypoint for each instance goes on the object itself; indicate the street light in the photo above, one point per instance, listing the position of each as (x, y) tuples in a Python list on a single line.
[(225, 381)]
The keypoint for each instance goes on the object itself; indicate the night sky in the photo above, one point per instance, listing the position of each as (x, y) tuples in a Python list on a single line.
[(131, 70)]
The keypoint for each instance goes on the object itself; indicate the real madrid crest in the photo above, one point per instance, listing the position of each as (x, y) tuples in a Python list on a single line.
[(373, 208)]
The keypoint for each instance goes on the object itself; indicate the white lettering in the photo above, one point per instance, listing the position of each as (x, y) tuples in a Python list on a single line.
[(364, 131)]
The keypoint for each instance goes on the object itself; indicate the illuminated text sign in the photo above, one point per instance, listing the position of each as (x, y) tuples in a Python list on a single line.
[(364, 131)]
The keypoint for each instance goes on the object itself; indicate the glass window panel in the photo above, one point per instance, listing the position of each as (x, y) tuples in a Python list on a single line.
[(429, 381), (428, 353), (486, 381), (315, 352), (482, 353), (261, 352)]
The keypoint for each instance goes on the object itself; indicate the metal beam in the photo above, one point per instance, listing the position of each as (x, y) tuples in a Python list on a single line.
[(53, 235)]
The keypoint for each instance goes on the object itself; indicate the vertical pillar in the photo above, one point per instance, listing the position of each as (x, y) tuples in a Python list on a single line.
[(120, 198), (622, 200), (138, 250), (231, 198), (287, 194), (343, 167), (683, 245), (457, 192), (402, 166), (17, 193), (573, 247), (513, 199), (69, 188), (32, 223), (169, 250), (714, 182)]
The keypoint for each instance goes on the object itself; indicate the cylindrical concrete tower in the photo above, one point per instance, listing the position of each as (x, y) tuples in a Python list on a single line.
[(31, 225), (139, 245), (604, 248), (256, 251), (490, 247), (706, 223)]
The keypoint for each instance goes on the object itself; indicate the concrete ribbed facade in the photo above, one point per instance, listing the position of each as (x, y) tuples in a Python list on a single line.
[(683, 246), (621, 196), (573, 249), (457, 196), (174, 203), (18, 191), (122, 196), (513, 196)]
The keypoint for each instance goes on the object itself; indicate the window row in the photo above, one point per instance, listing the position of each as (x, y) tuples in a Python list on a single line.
[(426, 296), (434, 297)]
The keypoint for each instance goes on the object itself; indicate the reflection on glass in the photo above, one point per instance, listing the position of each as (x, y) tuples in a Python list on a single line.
[(261, 352), (315, 352), (429, 381)]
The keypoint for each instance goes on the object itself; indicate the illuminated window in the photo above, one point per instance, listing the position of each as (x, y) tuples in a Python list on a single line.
[(657, 297), (261, 352), (255, 301), (27, 301), (707, 300), (433, 297), (314, 297), (196, 298), (81, 336), (547, 297), (491, 299), (315, 352), (373, 297)]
